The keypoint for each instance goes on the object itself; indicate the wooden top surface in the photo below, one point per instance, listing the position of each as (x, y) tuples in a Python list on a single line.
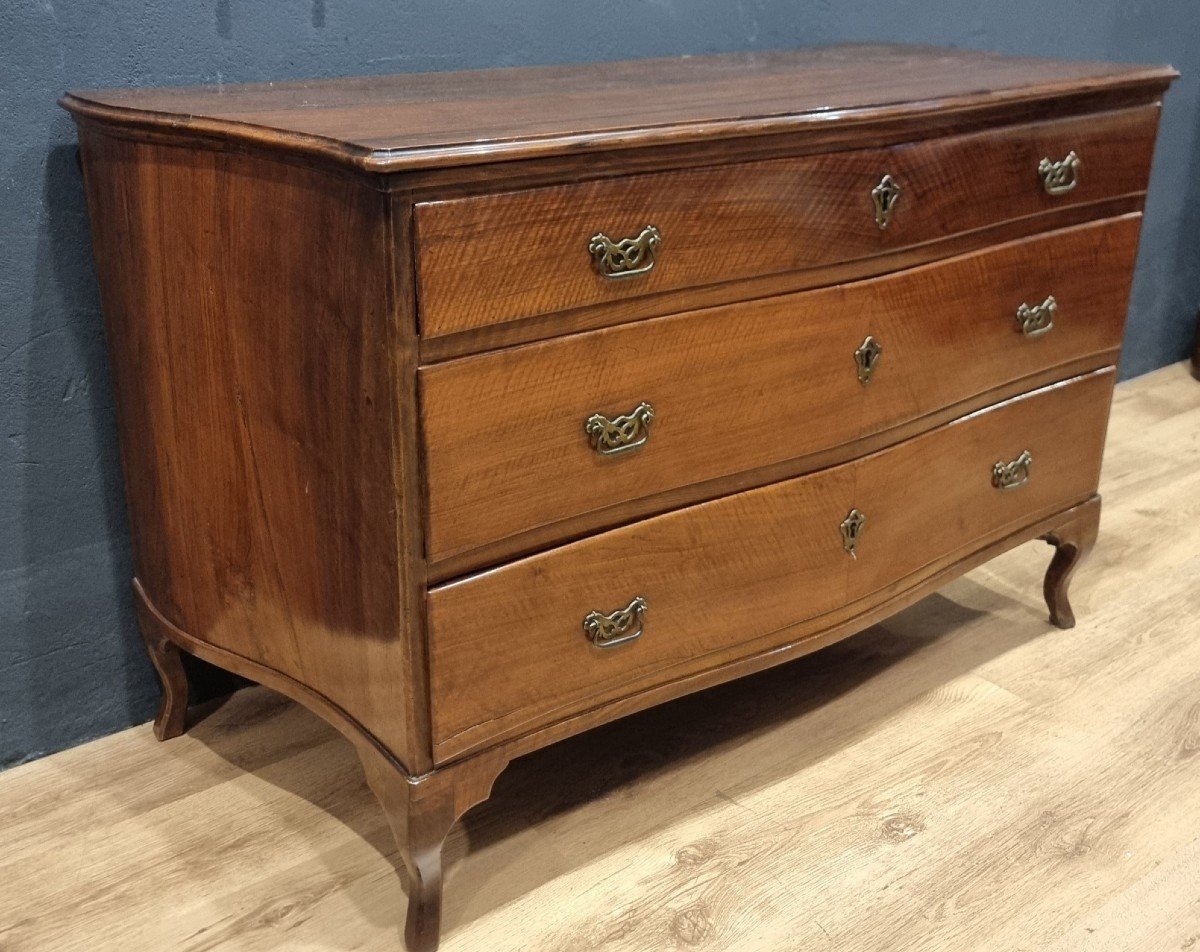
[(422, 120)]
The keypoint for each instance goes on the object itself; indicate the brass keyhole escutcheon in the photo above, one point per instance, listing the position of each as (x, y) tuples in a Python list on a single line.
[(885, 195), (866, 358), (852, 527)]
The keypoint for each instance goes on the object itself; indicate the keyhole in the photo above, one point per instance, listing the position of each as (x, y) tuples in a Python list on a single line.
[(885, 196), (867, 356)]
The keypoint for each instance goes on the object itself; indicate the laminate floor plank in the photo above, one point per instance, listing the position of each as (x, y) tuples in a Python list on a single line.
[(962, 776)]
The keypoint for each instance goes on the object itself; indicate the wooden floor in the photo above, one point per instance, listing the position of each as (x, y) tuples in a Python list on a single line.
[(963, 777)]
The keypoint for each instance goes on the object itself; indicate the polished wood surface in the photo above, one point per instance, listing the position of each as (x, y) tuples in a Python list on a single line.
[(1026, 787), (252, 343), (279, 265), (497, 336), (390, 123), (729, 577), (509, 460), (515, 255)]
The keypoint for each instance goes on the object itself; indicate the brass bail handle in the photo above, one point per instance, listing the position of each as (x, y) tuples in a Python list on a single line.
[(622, 433), (1012, 474), (616, 628), (1037, 319), (626, 257), (1059, 177)]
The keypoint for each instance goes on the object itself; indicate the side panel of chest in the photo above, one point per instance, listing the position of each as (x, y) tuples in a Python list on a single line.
[(254, 345)]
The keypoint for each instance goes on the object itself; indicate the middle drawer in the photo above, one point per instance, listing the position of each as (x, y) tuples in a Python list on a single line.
[(520, 441)]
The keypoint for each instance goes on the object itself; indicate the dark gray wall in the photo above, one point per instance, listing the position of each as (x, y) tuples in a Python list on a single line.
[(71, 666)]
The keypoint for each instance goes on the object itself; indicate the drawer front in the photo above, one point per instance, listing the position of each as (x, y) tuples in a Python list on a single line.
[(504, 257), (729, 578), (750, 385)]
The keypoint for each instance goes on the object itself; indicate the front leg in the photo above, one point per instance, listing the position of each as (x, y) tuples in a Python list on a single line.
[(1073, 540), (168, 664), (421, 811)]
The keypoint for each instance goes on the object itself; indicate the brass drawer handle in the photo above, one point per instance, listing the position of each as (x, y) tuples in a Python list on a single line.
[(852, 527), (622, 626), (1037, 320), (625, 258), (866, 358), (885, 195), (1012, 475), (620, 433), (1059, 177)]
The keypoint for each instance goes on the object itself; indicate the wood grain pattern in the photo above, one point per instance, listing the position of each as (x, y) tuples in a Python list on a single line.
[(748, 385), (804, 639), (251, 339), (507, 652), (264, 254), (496, 336), (515, 255), (572, 528), (1023, 787), (391, 123)]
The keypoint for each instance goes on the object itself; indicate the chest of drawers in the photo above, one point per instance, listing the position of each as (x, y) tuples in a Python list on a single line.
[(474, 410)]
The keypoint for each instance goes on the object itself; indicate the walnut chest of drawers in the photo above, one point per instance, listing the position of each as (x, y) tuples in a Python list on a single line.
[(473, 410)]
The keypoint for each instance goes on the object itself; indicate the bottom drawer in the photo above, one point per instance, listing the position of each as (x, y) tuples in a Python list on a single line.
[(510, 649)]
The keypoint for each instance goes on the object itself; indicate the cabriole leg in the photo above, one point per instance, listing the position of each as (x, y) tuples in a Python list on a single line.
[(165, 656), (421, 811), (1072, 541)]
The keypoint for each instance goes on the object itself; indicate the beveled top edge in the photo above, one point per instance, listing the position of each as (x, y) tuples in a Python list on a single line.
[(414, 121)]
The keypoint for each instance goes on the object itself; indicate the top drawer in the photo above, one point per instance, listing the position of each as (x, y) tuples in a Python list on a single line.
[(496, 258)]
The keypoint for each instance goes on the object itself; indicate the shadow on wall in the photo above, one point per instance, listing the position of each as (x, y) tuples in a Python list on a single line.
[(78, 621), (1166, 289), (78, 663), (1185, 261), (223, 14)]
